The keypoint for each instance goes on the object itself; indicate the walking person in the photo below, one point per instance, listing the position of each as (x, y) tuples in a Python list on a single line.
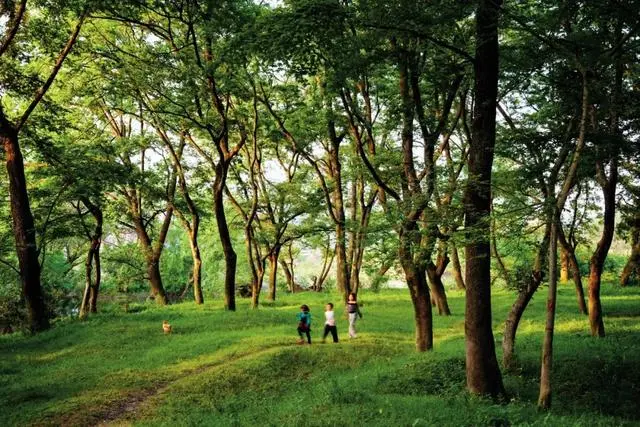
[(330, 323), (304, 323), (354, 312)]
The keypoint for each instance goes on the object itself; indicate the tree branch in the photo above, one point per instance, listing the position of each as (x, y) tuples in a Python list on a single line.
[(43, 89)]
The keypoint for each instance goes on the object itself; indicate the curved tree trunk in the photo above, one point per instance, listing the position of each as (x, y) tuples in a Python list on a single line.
[(574, 268), (326, 267), (438, 292), (526, 292), (152, 257), (24, 230), (596, 264), (95, 290), (513, 320), (155, 279), (92, 288), (288, 274), (84, 305), (608, 185), (96, 244), (230, 257)]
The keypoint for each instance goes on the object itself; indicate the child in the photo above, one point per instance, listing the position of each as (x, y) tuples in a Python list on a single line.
[(304, 323), (353, 310), (330, 323)]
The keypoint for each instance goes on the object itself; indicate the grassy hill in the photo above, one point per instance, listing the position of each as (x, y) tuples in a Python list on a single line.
[(244, 368)]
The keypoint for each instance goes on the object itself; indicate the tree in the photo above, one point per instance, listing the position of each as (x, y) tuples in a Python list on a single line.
[(193, 85), (22, 219), (483, 373)]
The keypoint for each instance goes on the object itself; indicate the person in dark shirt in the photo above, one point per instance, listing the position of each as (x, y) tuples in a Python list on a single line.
[(304, 323), (354, 312)]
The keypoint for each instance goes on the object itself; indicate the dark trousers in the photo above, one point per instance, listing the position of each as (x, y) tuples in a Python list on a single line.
[(333, 330), (305, 331)]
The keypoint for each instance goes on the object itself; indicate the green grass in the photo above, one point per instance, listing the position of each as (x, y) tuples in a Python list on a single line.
[(243, 368)]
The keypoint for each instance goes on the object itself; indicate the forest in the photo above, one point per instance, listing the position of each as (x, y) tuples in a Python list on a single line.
[(216, 164)]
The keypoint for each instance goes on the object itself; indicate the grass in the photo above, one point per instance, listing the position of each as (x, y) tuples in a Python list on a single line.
[(243, 368)]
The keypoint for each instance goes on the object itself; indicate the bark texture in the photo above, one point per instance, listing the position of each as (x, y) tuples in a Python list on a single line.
[(483, 373), (544, 398), (24, 231), (632, 267)]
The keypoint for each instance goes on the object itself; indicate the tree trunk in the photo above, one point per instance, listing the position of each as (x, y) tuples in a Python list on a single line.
[(483, 373), (93, 299), (419, 290), (84, 306), (608, 185), (342, 264), (96, 244), (544, 399), (230, 257), (496, 255), (342, 273), (273, 273), (632, 267), (455, 263), (288, 274), (596, 264), (513, 320), (24, 230), (256, 287), (437, 289), (157, 290), (196, 271), (356, 266), (152, 259), (417, 281), (564, 265), (525, 293), (90, 296), (574, 268), (577, 280)]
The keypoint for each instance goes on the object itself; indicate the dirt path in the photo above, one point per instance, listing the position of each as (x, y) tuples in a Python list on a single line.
[(124, 409)]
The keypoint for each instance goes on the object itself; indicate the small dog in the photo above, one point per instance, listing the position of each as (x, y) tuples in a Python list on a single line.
[(166, 327)]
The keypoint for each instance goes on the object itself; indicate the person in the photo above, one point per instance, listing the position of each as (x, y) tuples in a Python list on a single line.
[(304, 323), (354, 311), (330, 323)]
